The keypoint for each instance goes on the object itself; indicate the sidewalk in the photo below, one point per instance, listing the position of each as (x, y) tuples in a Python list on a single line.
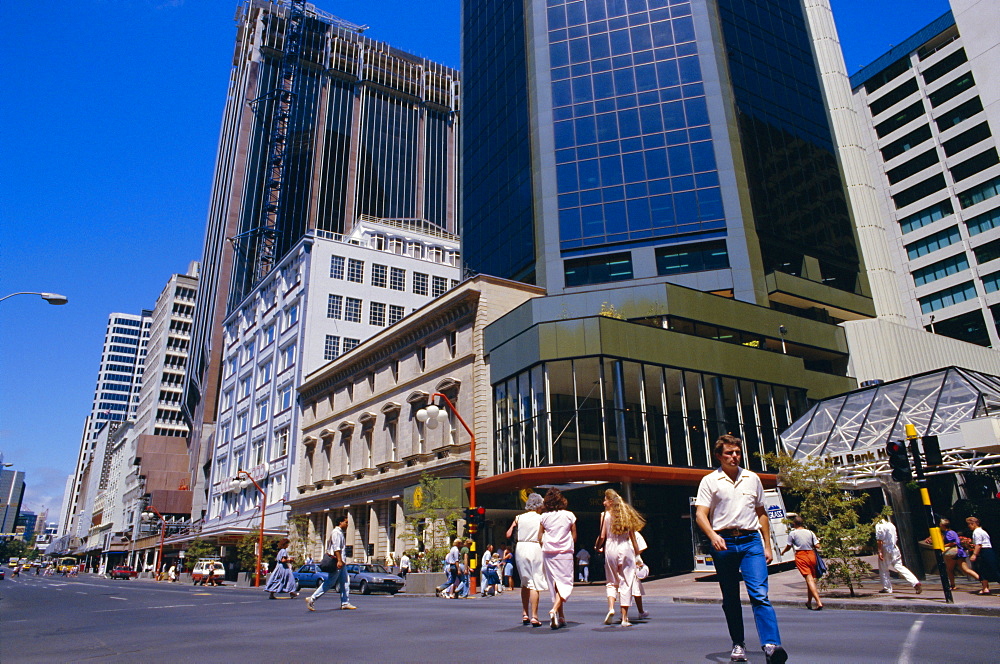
[(788, 589)]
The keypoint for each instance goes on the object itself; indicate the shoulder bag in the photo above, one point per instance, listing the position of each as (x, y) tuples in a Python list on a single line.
[(328, 564)]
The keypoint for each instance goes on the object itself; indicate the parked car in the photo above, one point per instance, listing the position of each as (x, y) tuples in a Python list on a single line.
[(203, 568), (309, 576), (370, 577), (122, 572), (2, 574)]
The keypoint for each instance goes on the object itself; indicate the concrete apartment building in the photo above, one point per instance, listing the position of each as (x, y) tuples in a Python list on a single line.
[(11, 494), (929, 109), (322, 126), (362, 450), (328, 295)]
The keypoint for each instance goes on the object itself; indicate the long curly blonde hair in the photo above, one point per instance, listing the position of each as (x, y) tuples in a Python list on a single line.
[(624, 518)]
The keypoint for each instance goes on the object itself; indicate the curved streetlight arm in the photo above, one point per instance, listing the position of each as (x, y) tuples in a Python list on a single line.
[(472, 447), (263, 509), (163, 534), (51, 298)]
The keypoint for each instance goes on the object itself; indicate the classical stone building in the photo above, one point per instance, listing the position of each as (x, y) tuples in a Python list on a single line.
[(362, 447)]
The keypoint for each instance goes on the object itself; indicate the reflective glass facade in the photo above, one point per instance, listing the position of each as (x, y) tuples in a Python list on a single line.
[(601, 408), (633, 145)]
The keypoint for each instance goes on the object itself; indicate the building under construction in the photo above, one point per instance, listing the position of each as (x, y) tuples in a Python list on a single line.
[(322, 125)]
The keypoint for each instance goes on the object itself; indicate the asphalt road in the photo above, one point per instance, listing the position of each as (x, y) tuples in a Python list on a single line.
[(52, 619)]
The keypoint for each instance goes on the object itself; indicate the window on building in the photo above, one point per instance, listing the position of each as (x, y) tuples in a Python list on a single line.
[(948, 297), (598, 269), (394, 366), (257, 452), (350, 344), (960, 113), (246, 385), (335, 306), (376, 314), (288, 356), (422, 357), (951, 90), (415, 249), (264, 375), (336, 267), (396, 313), (912, 166), (926, 216), (967, 139), (453, 342), (227, 400), (940, 240), (379, 275), (352, 310), (920, 190), (945, 65), (262, 409), (439, 286), (355, 270), (225, 433), (237, 462), (390, 433), (894, 70), (976, 164), (249, 350), (396, 245), (979, 193), (906, 143), (242, 421), (698, 257), (232, 365), (331, 347), (285, 397), (941, 269), (268, 335), (987, 252), (281, 442), (983, 222), (893, 97), (420, 283), (435, 254), (397, 278), (899, 119), (291, 316)]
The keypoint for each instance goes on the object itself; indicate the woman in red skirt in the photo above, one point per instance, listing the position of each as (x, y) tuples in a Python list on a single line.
[(805, 544)]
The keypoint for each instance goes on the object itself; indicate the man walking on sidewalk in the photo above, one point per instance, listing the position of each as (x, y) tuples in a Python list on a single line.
[(890, 558), (730, 510), (338, 542)]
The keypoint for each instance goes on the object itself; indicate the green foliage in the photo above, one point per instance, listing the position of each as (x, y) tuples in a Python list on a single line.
[(17, 548), (246, 552), (302, 545), (832, 513), (608, 310), (197, 550), (431, 524)]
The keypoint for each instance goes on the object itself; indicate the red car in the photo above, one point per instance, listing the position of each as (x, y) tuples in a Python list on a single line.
[(122, 572)]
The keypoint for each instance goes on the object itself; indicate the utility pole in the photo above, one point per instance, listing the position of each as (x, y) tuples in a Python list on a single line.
[(925, 497)]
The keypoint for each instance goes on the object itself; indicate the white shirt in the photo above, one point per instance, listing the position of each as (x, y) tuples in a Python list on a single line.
[(453, 555), (404, 562), (731, 504), (338, 542), (583, 556), (527, 526), (885, 532), (981, 538)]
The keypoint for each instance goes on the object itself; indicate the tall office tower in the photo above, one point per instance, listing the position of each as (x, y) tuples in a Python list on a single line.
[(929, 109), (11, 495), (665, 169), (322, 126)]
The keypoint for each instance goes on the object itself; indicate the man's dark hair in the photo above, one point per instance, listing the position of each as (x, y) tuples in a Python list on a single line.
[(797, 521), (726, 440), (340, 519), (554, 500)]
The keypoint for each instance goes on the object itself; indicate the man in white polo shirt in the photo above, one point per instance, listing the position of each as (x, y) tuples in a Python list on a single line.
[(730, 509)]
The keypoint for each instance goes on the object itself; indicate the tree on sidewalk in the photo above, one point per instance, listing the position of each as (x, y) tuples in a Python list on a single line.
[(832, 513), (431, 523)]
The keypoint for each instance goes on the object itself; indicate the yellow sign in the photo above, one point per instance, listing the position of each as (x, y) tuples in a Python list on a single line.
[(418, 497), (523, 495)]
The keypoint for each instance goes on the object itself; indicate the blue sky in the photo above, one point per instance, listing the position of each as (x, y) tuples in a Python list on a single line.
[(110, 117)]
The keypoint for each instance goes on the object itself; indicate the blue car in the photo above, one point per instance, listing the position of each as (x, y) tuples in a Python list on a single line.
[(309, 576)]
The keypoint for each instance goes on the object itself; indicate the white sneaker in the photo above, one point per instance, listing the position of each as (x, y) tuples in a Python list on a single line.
[(348, 607), (739, 653)]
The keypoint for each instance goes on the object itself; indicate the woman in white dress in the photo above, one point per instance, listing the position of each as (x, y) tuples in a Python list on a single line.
[(528, 555), (619, 524), (557, 533)]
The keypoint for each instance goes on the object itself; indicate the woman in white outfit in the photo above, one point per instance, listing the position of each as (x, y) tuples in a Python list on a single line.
[(619, 524), (557, 533), (528, 555)]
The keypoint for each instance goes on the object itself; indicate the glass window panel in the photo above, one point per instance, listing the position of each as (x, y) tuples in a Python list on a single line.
[(620, 43), (589, 406), (814, 439), (656, 424), (882, 413), (563, 412), (695, 423), (751, 430), (765, 408)]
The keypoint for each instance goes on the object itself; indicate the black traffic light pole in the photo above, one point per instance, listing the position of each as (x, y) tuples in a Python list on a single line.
[(925, 497)]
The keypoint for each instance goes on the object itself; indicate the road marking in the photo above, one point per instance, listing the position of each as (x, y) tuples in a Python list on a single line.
[(123, 599), (202, 594), (906, 653), (80, 592), (170, 606)]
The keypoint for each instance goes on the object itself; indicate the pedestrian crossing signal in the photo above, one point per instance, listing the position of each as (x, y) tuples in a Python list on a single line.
[(899, 461)]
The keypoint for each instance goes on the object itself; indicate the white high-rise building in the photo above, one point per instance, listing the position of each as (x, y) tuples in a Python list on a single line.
[(327, 296)]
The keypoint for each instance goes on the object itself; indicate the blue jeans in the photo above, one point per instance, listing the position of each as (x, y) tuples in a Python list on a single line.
[(450, 579), (333, 578), (746, 554), (463, 585)]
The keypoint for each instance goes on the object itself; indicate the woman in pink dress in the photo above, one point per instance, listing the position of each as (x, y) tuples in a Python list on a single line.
[(557, 532)]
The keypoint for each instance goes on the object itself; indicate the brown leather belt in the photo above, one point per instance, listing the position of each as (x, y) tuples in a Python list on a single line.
[(735, 532)]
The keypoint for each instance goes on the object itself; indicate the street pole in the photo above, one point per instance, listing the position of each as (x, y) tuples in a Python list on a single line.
[(263, 508), (925, 497), (163, 533), (472, 481)]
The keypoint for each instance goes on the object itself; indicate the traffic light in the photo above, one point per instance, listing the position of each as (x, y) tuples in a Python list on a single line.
[(899, 461), (480, 517)]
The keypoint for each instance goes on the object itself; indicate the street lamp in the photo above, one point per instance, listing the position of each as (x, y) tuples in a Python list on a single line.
[(148, 516), (51, 298), (243, 480), (433, 415)]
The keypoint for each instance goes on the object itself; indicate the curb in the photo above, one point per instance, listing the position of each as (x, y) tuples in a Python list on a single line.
[(947, 609)]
